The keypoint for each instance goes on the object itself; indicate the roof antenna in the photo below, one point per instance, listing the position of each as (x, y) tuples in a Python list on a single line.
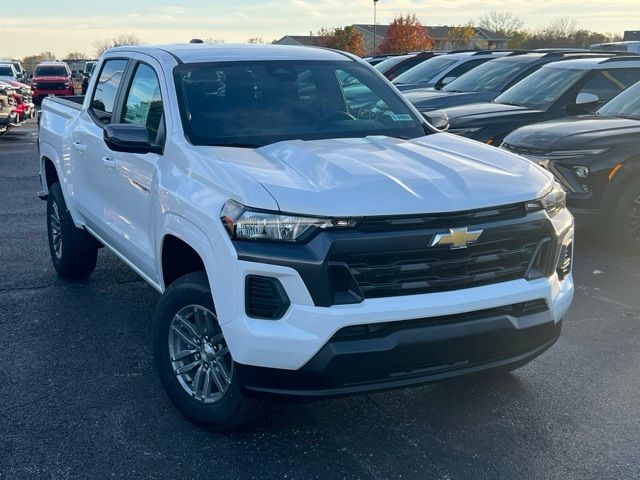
[(196, 40)]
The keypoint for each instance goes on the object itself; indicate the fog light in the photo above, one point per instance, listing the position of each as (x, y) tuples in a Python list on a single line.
[(265, 298), (581, 172), (564, 261)]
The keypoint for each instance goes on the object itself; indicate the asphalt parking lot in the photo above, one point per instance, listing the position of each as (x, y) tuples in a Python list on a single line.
[(79, 397)]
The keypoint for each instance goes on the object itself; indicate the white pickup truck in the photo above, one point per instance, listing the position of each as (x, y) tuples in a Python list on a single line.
[(311, 234)]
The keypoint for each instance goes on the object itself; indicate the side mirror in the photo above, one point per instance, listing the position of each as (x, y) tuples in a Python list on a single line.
[(127, 137), (30, 76), (586, 99), (437, 119), (444, 82)]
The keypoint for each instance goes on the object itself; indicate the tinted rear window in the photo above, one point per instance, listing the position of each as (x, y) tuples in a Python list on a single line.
[(6, 71)]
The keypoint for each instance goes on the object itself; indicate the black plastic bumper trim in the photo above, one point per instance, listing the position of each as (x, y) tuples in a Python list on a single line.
[(408, 357)]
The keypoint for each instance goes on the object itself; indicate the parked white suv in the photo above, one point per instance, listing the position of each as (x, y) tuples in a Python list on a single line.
[(305, 243)]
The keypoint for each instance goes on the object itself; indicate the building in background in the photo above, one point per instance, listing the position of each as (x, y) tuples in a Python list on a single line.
[(441, 35)]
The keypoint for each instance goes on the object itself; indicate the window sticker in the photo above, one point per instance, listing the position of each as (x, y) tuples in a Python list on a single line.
[(404, 117)]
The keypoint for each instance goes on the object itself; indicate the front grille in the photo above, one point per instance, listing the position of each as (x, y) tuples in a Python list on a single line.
[(51, 86), (395, 268)]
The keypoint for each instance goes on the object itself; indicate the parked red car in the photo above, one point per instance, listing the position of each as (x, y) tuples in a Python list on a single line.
[(24, 99), (52, 78)]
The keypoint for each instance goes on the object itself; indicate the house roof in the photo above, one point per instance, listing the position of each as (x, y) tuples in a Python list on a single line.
[(308, 40)]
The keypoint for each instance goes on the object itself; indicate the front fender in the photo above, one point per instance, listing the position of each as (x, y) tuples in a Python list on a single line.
[(217, 266)]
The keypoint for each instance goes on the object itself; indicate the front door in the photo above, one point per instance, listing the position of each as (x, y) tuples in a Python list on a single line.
[(130, 177)]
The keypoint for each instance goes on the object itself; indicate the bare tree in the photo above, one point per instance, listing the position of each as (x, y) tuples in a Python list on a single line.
[(119, 41), (75, 56), (502, 23), (562, 27), (256, 40)]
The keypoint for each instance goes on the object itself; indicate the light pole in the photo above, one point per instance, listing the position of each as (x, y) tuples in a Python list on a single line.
[(375, 27)]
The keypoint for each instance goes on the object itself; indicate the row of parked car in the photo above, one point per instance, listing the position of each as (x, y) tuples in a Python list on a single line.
[(19, 94), (576, 113)]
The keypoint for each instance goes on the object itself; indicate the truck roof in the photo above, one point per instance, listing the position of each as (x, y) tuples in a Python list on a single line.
[(223, 52), (597, 63)]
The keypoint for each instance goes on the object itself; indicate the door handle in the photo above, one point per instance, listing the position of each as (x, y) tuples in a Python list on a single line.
[(80, 147), (110, 164)]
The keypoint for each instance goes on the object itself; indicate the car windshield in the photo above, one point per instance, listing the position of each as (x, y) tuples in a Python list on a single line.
[(490, 76), (426, 71), (391, 62), (626, 105), (6, 71), (252, 104), (50, 71), (541, 89)]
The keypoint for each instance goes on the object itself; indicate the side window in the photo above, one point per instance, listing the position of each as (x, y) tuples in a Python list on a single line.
[(106, 89), (465, 67), (606, 84), (143, 105)]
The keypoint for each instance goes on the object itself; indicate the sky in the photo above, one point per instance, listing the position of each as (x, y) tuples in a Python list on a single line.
[(64, 26)]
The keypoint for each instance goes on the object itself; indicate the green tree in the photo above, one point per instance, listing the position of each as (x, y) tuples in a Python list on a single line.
[(347, 39)]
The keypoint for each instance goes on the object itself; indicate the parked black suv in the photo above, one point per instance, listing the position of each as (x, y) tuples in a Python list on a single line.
[(558, 89), (597, 160), (486, 82)]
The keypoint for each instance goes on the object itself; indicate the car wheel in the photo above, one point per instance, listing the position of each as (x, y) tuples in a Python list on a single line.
[(68, 260), (193, 361), (625, 233)]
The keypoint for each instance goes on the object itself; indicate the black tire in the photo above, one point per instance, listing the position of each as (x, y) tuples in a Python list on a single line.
[(69, 260), (234, 410), (625, 233)]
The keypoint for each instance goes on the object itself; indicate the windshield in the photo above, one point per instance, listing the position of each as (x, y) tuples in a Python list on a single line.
[(490, 76), (50, 71), (626, 105), (541, 89), (252, 104), (426, 71), (6, 71), (391, 62)]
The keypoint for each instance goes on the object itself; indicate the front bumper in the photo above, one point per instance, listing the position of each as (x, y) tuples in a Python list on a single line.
[(299, 341), (39, 94), (410, 353)]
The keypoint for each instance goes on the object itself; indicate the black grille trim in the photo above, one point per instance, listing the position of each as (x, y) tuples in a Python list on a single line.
[(451, 219), (378, 330)]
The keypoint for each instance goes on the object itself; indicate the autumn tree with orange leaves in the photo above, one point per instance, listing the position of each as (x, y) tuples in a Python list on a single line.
[(347, 39), (406, 34)]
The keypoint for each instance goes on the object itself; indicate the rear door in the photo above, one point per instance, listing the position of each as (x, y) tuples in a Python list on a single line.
[(87, 144), (130, 177)]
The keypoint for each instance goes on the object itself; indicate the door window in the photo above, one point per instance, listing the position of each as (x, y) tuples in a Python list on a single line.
[(106, 89), (606, 84), (143, 105)]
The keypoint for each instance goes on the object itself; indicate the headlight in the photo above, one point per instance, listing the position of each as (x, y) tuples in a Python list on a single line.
[(463, 131), (552, 202), (243, 223), (575, 153)]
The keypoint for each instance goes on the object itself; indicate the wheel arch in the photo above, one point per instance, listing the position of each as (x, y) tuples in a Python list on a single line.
[(626, 176), (179, 236)]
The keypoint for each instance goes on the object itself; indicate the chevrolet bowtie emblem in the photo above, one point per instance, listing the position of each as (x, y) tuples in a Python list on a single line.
[(456, 238)]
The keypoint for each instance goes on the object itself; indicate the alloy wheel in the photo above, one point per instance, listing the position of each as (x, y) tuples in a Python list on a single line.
[(56, 230), (199, 356)]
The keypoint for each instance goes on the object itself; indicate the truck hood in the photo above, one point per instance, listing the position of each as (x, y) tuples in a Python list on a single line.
[(577, 133), (480, 113), (387, 176), (429, 99)]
